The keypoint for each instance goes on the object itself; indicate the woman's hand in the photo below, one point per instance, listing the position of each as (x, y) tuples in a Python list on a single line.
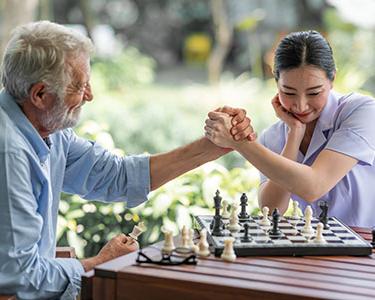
[(218, 129), (295, 125), (241, 124)]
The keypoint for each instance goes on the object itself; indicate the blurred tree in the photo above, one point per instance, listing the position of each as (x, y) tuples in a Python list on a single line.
[(223, 39), (12, 16), (88, 18)]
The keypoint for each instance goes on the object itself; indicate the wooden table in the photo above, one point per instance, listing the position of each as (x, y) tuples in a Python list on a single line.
[(279, 278)]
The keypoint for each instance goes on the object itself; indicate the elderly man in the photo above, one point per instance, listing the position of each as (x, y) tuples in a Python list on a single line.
[(46, 74)]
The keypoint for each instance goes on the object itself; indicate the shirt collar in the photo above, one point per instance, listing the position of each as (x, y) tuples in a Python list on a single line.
[(8, 103), (325, 121)]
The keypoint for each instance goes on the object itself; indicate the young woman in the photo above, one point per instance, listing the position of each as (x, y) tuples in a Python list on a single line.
[(323, 147)]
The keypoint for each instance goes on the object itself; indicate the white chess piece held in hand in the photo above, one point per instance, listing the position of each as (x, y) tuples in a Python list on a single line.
[(137, 231)]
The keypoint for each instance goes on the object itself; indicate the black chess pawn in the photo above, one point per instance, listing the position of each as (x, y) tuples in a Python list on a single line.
[(323, 217), (243, 215), (217, 223), (275, 231), (373, 237), (246, 238)]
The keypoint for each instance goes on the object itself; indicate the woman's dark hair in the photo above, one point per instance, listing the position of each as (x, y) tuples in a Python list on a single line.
[(304, 48)]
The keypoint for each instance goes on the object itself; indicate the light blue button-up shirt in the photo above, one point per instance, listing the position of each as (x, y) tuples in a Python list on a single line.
[(346, 125), (32, 175)]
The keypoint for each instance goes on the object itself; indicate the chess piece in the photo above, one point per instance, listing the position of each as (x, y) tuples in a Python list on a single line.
[(137, 231), (228, 252), (185, 237), (217, 225), (275, 231), (233, 221), (319, 238), (308, 229), (191, 244), (203, 244), (225, 214), (246, 238), (243, 216), (373, 237), (265, 221), (168, 242), (323, 217), (295, 214)]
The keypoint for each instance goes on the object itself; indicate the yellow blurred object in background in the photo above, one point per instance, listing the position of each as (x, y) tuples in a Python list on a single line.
[(197, 48)]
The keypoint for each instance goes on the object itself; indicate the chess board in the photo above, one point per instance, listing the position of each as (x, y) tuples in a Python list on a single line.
[(340, 239)]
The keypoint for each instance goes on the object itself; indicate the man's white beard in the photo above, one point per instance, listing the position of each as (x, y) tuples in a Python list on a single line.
[(59, 118)]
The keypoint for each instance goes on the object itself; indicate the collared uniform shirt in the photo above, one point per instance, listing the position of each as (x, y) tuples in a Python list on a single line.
[(32, 175), (346, 125)]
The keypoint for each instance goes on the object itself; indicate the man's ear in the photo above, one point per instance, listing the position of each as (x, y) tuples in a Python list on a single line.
[(39, 95)]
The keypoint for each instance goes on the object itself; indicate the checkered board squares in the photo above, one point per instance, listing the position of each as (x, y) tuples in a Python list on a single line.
[(340, 239)]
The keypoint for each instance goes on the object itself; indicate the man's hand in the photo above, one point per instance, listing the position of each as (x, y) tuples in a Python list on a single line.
[(217, 130), (242, 128), (118, 246)]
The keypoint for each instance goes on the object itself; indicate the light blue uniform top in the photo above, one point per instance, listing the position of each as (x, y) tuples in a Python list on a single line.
[(346, 125), (32, 175)]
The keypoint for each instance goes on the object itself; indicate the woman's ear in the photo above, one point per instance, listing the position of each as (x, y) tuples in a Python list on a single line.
[(333, 79)]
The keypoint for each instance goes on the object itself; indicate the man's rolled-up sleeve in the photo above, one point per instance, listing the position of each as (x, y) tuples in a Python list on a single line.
[(94, 173)]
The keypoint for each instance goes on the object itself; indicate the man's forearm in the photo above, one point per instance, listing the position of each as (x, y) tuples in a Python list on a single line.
[(167, 166)]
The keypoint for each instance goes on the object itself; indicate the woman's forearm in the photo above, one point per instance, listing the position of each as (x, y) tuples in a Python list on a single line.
[(270, 193)]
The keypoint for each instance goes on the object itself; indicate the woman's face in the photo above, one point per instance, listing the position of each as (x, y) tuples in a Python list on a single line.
[(304, 92)]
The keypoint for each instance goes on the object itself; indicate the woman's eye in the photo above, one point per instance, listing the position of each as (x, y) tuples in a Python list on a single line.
[(289, 94), (314, 94)]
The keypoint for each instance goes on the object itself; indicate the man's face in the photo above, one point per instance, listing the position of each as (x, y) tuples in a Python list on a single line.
[(65, 112)]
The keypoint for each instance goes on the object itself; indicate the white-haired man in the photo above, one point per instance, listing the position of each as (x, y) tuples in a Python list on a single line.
[(46, 75)]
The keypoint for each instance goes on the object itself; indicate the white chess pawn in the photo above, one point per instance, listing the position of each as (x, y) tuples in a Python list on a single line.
[(185, 238), (319, 238), (168, 242), (308, 229), (233, 221), (225, 214), (295, 214), (192, 246), (228, 252), (137, 230), (265, 221), (203, 244)]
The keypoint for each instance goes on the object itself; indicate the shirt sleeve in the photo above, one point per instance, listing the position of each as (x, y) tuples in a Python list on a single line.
[(94, 173), (22, 268), (354, 133)]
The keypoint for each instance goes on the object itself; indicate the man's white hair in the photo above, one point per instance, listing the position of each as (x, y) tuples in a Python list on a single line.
[(39, 52)]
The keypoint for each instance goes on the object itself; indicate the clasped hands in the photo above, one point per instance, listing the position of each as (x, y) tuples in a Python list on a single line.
[(228, 126)]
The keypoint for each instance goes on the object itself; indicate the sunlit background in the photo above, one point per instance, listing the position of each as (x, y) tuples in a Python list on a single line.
[(161, 65)]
